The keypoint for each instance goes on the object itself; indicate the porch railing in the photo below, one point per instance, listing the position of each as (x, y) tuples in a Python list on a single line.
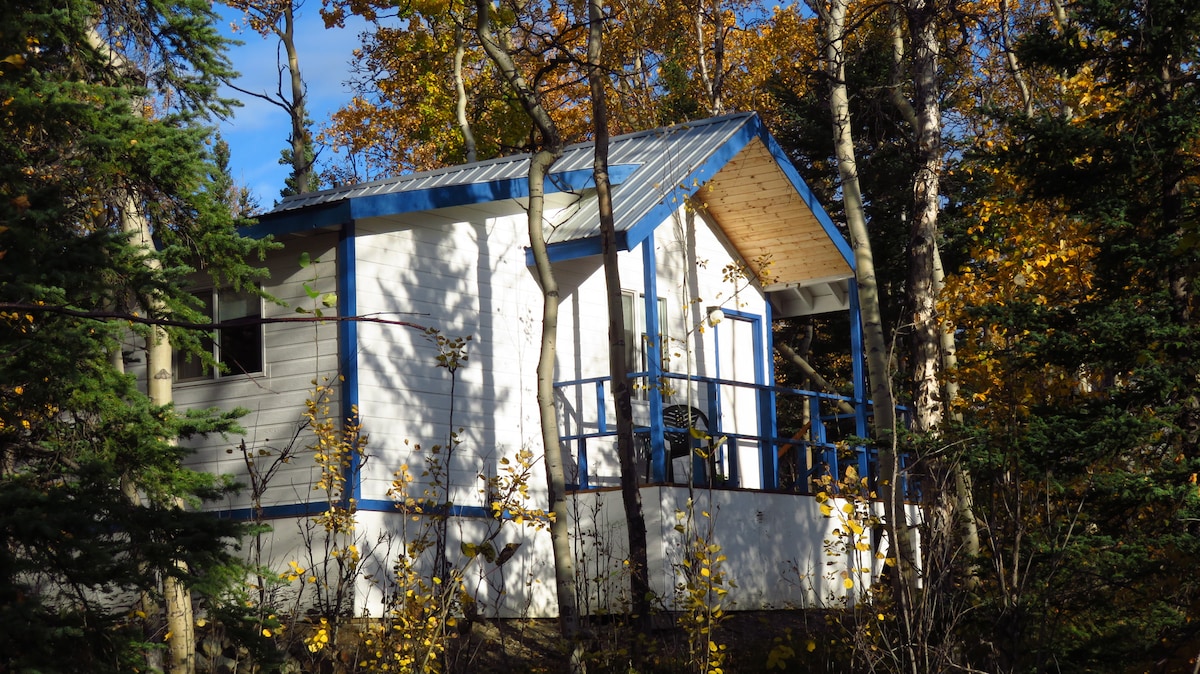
[(789, 460)]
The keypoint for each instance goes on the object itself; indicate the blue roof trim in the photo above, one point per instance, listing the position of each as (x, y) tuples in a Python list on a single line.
[(273, 512), (316, 508), (444, 196), (805, 192), (680, 192), (291, 222)]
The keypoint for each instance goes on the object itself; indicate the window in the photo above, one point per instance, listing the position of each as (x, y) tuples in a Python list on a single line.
[(633, 309), (237, 345)]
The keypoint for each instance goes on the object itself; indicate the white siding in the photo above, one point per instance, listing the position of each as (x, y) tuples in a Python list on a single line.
[(295, 355), (780, 551), (466, 279)]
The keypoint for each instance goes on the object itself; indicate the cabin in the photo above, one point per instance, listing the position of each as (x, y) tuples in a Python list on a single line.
[(413, 302)]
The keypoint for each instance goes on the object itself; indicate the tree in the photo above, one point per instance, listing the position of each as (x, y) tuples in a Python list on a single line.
[(631, 495), (103, 104), (499, 50), (1077, 347), (278, 18), (432, 63), (878, 354)]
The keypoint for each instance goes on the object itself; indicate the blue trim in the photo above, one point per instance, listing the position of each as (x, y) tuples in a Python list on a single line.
[(658, 450), (714, 418), (388, 506), (767, 410), (699, 176), (274, 512), (347, 336), (569, 250), (300, 220), (767, 466), (858, 372), (445, 196), (316, 508)]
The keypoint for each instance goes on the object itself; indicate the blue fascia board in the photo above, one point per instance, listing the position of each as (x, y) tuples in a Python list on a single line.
[(299, 220), (397, 203), (568, 250), (578, 249)]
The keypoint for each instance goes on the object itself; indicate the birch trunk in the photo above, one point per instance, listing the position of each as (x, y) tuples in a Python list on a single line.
[(498, 49), (302, 164), (460, 92), (927, 409), (177, 599), (878, 356)]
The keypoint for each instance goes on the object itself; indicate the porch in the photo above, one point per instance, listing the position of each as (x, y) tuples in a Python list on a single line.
[(713, 432)]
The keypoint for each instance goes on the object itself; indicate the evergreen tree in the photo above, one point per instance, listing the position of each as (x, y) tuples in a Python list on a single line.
[(103, 105), (1090, 427)]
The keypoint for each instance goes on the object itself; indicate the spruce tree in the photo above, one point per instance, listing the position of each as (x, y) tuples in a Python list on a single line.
[(1089, 487), (102, 104)]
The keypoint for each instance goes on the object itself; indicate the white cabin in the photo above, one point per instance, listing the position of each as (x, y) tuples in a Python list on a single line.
[(718, 236)]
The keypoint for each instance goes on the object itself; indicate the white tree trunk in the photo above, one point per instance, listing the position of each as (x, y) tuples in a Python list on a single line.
[(177, 599), (878, 355), (498, 49)]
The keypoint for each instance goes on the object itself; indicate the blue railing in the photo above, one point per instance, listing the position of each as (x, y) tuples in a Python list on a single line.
[(785, 462)]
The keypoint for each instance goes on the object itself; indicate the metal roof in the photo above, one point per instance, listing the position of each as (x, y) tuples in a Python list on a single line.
[(660, 152), (752, 193)]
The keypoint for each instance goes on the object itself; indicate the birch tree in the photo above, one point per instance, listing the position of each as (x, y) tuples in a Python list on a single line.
[(833, 18), (499, 50)]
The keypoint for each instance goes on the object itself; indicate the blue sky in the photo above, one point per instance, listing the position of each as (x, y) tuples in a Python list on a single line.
[(258, 130)]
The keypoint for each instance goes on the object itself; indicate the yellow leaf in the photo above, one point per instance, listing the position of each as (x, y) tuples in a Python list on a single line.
[(266, 632), (810, 646), (848, 583)]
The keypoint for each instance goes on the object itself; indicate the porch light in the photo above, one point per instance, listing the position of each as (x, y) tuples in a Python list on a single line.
[(715, 315)]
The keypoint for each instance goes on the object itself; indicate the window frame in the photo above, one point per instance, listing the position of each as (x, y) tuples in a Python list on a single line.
[(199, 371)]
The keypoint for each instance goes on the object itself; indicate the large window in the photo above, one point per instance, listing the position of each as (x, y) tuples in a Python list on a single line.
[(237, 345)]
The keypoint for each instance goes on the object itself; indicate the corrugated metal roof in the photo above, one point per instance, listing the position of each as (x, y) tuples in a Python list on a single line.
[(752, 192), (664, 158)]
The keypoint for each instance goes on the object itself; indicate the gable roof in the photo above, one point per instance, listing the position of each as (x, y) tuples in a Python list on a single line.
[(730, 167)]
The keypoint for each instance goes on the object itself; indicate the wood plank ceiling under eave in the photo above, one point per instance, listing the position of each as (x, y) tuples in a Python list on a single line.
[(766, 220)]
